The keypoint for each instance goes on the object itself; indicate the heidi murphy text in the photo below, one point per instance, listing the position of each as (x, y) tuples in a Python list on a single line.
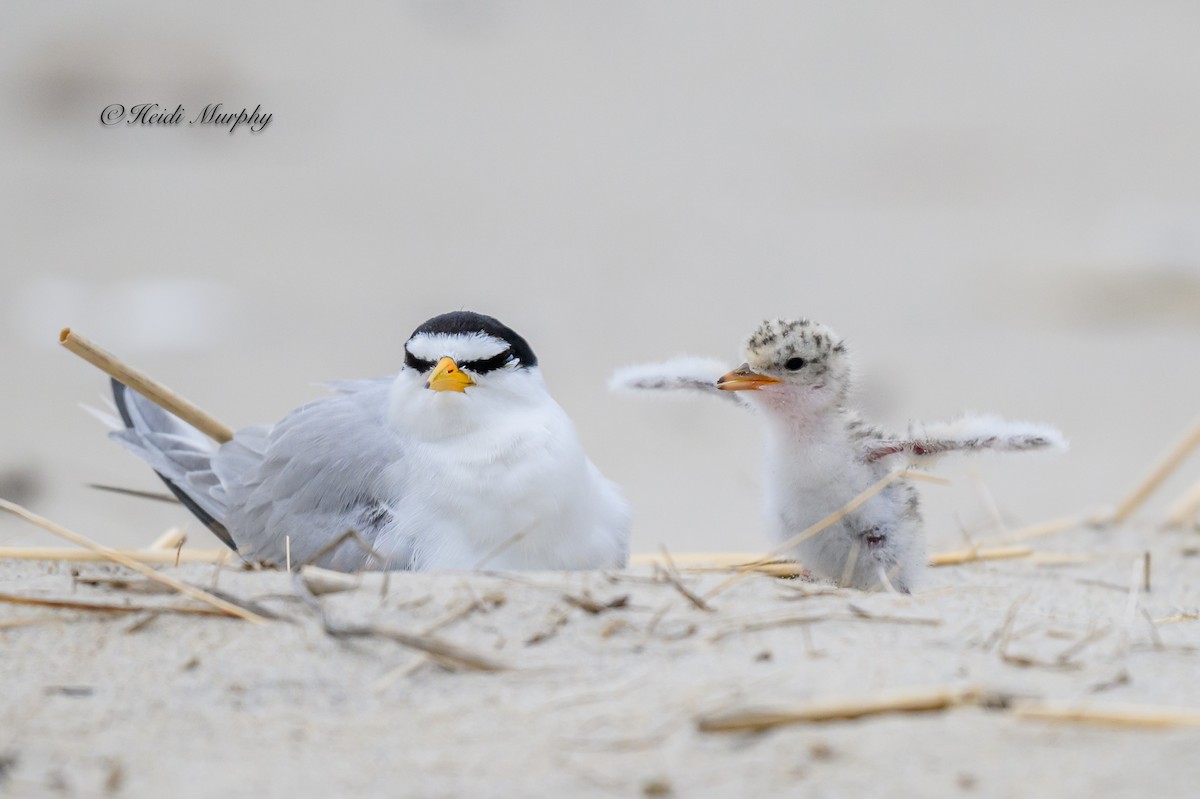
[(213, 114)]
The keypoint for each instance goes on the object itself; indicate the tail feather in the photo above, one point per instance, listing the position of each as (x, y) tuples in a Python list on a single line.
[(243, 453), (177, 452)]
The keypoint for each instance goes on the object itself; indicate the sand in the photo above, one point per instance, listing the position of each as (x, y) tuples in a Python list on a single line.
[(601, 679)]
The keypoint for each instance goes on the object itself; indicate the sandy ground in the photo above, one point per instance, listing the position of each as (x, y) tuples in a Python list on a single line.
[(141, 703)]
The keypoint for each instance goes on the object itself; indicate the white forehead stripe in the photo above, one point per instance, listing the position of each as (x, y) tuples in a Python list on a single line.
[(459, 346)]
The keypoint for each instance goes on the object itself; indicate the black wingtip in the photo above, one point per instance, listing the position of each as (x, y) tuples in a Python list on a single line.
[(118, 390), (218, 529), (212, 524)]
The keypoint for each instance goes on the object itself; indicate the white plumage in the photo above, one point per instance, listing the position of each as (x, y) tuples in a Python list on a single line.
[(461, 461)]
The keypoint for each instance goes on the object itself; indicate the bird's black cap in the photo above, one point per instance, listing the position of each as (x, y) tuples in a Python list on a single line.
[(468, 322)]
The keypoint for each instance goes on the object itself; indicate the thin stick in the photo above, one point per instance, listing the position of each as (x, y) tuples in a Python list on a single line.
[(499, 548), (429, 645), (1183, 510), (805, 620), (437, 648), (911, 474), (709, 562), (354, 537), (171, 539), (145, 385), (325, 581), (1178, 618), (1113, 716), (696, 558), (988, 502), (129, 563), (972, 555), (1048, 528), (8, 624), (886, 580), (838, 709), (1158, 475), (777, 568), (1052, 527), (157, 557), (1062, 558), (14, 599), (671, 574), (157, 496), (851, 561), (446, 619)]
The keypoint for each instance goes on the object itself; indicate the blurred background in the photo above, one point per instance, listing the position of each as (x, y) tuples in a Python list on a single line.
[(997, 204)]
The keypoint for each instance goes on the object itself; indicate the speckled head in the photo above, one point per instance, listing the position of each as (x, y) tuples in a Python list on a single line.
[(793, 359)]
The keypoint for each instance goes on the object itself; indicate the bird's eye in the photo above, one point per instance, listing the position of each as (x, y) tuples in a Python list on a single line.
[(795, 364), (420, 364), (485, 365)]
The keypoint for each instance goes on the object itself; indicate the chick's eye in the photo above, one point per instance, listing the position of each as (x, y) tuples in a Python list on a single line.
[(795, 364)]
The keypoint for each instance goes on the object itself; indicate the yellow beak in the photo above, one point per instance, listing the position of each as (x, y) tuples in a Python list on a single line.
[(446, 376), (742, 379)]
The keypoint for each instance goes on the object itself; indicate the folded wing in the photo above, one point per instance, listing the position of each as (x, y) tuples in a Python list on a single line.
[(318, 483)]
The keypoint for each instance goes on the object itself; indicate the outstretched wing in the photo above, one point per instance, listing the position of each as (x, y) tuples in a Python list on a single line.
[(970, 433), (317, 475), (697, 375)]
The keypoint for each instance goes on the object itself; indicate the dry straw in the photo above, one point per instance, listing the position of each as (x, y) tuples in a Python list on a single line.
[(102, 607), (152, 556), (1113, 716), (142, 383), (229, 608), (723, 562), (702, 562), (1169, 462), (840, 709), (1183, 511), (973, 555)]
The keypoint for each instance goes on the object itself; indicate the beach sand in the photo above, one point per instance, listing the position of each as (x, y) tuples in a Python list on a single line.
[(600, 682)]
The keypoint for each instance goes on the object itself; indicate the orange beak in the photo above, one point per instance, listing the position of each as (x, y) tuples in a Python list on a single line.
[(446, 376), (743, 379)]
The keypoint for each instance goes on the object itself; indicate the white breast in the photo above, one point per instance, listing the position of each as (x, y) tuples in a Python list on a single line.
[(521, 495), (810, 477)]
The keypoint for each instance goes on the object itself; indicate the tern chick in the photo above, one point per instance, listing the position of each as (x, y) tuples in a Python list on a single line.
[(462, 460), (821, 455)]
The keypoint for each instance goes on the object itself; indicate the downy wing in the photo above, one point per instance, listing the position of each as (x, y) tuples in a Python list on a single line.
[(970, 433), (688, 374)]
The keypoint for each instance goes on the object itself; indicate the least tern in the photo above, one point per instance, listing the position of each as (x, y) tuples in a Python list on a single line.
[(821, 454), (461, 461)]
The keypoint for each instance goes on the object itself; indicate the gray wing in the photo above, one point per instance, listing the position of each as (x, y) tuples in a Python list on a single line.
[(315, 481), (687, 374)]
